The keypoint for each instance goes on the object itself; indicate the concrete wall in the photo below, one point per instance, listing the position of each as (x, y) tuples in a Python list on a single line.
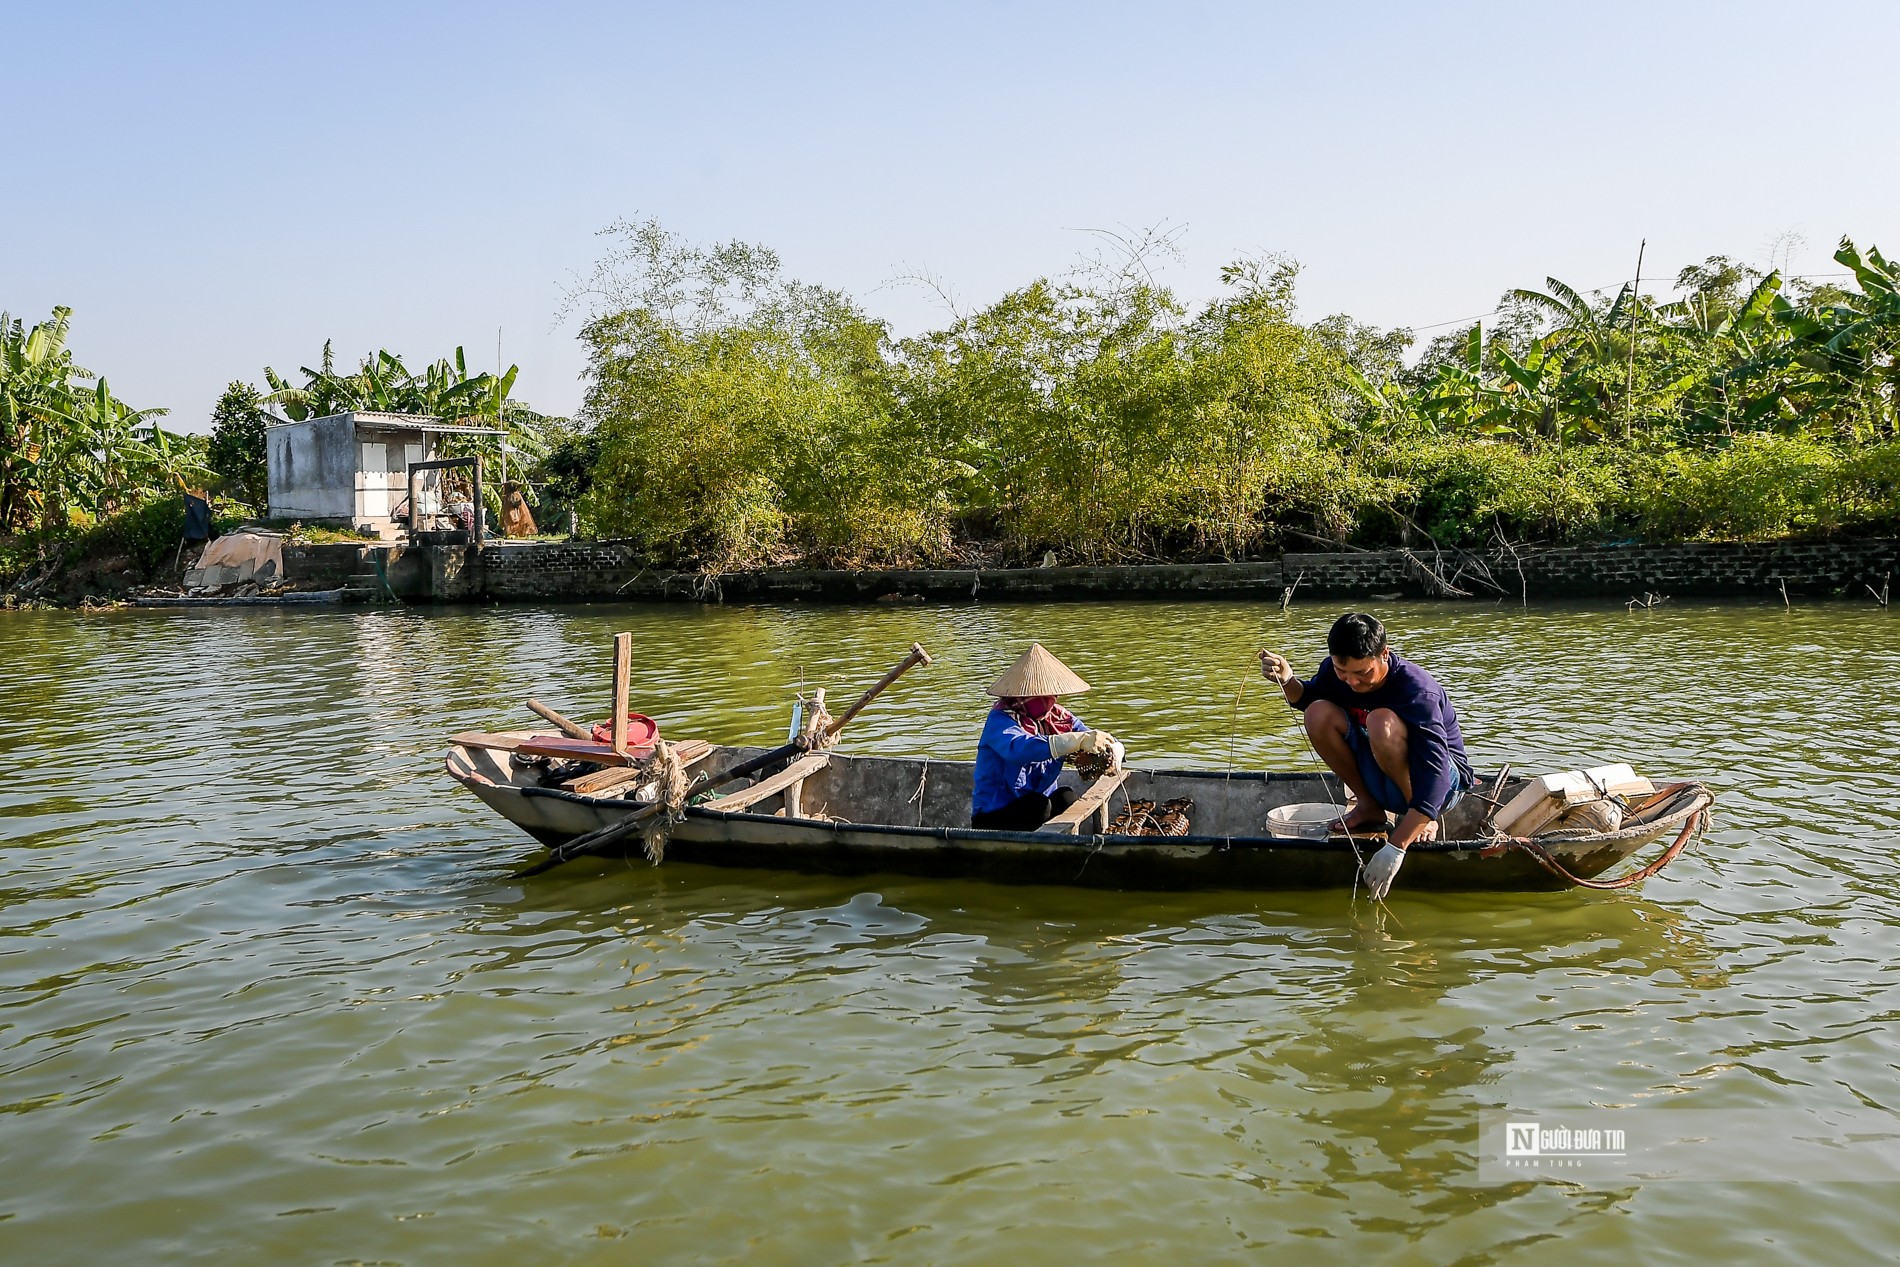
[(312, 466), (329, 565)]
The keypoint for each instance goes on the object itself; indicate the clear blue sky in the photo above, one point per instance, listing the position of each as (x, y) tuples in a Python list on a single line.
[(214, 188)]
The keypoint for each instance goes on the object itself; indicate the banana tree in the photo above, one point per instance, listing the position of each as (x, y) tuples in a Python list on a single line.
[(1457, 398), (36, 401), (101, 453), (1704, 342), (1580, 361), (1848, 348), (383, 383)]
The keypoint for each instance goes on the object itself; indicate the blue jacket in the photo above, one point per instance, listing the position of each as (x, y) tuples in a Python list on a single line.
[(1436, 745), (1011, 762)]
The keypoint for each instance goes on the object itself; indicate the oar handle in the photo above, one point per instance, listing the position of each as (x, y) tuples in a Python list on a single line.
[(573, 730), (803, 743), (593, 842), (916, 657)]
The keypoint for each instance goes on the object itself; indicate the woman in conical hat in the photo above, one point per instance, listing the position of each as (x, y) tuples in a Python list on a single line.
[(1026, 738)]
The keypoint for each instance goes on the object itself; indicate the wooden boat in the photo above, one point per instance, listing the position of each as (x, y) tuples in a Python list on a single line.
[(833, 812)]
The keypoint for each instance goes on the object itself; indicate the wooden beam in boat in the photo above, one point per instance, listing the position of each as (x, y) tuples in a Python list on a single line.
[(606, 782), (1069, 820), (791, 776), (623, 674), (495, 741), (566, 749), (572, 729), (543, 746)]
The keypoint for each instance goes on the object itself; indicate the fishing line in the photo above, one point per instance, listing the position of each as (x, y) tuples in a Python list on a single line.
[(1332, 798), (1351, 841)]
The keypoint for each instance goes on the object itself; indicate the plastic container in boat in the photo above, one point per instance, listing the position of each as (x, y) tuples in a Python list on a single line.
[(1306, 820)]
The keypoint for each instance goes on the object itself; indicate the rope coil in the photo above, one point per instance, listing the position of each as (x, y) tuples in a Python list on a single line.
[(670, 786)]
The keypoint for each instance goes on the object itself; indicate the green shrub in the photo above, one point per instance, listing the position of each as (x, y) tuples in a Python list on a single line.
[(1868, 486), (1461, 491), (18, 555), (743, 419), (147, 533), (1759, 486)]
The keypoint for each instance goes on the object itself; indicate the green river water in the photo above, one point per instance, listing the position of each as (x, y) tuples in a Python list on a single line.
[(268, 992)]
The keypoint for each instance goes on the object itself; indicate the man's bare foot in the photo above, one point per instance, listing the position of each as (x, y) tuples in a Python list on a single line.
[(1365, 820)]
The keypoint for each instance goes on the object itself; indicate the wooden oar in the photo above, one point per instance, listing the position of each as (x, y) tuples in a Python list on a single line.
[(573, 730), (598, 839), (916, 657), (602, 838)]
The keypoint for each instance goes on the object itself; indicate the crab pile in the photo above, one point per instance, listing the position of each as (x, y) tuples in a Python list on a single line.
[(1142, 818)]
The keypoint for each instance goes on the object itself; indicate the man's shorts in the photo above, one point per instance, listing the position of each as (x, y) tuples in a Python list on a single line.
[(1380, 784)]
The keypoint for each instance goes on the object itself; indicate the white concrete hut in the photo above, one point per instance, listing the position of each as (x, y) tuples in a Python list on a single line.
[(353, 468)]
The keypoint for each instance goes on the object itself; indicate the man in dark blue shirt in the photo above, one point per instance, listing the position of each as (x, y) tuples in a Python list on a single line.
[(1386, 728)]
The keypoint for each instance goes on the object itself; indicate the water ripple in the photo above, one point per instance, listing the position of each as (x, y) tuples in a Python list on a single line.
[(266, 981)]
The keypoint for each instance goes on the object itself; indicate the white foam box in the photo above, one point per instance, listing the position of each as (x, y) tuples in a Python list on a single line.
[(1541, 801)]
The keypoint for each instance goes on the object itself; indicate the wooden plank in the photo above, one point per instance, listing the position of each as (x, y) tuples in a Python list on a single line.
[(552, 746), (794, 773), (493, 740), (575, 750), (1088, 803), (607, 782), (623, 674), (1546, 811), (542, 746)]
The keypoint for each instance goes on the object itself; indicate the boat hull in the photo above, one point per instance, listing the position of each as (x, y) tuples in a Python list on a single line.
[(765, 839)]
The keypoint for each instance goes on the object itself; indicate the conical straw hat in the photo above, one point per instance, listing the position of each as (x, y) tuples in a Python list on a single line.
[(1037, 672)]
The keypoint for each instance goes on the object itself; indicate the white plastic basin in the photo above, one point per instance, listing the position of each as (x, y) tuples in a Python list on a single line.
[(1308, 820)]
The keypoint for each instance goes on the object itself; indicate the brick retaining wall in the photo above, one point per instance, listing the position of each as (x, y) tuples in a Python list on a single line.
[(603, 570), (1810, 568), (607, 571)]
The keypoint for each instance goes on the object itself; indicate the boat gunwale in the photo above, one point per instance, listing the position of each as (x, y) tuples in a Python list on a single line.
[(1467, 846)]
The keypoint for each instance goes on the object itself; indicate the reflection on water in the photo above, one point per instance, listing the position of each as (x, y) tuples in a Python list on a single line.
[(268, 989)]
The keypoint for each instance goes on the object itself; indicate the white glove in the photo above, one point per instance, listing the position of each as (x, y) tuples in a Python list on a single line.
[(1074, 741), (1382, 870), (1098, 741)]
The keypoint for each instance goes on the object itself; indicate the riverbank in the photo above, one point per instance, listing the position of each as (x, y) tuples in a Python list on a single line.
[(609, 571), (580, 571)]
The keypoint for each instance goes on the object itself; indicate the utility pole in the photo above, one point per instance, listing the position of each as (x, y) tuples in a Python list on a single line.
[(1629, 379), (498, 411)]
